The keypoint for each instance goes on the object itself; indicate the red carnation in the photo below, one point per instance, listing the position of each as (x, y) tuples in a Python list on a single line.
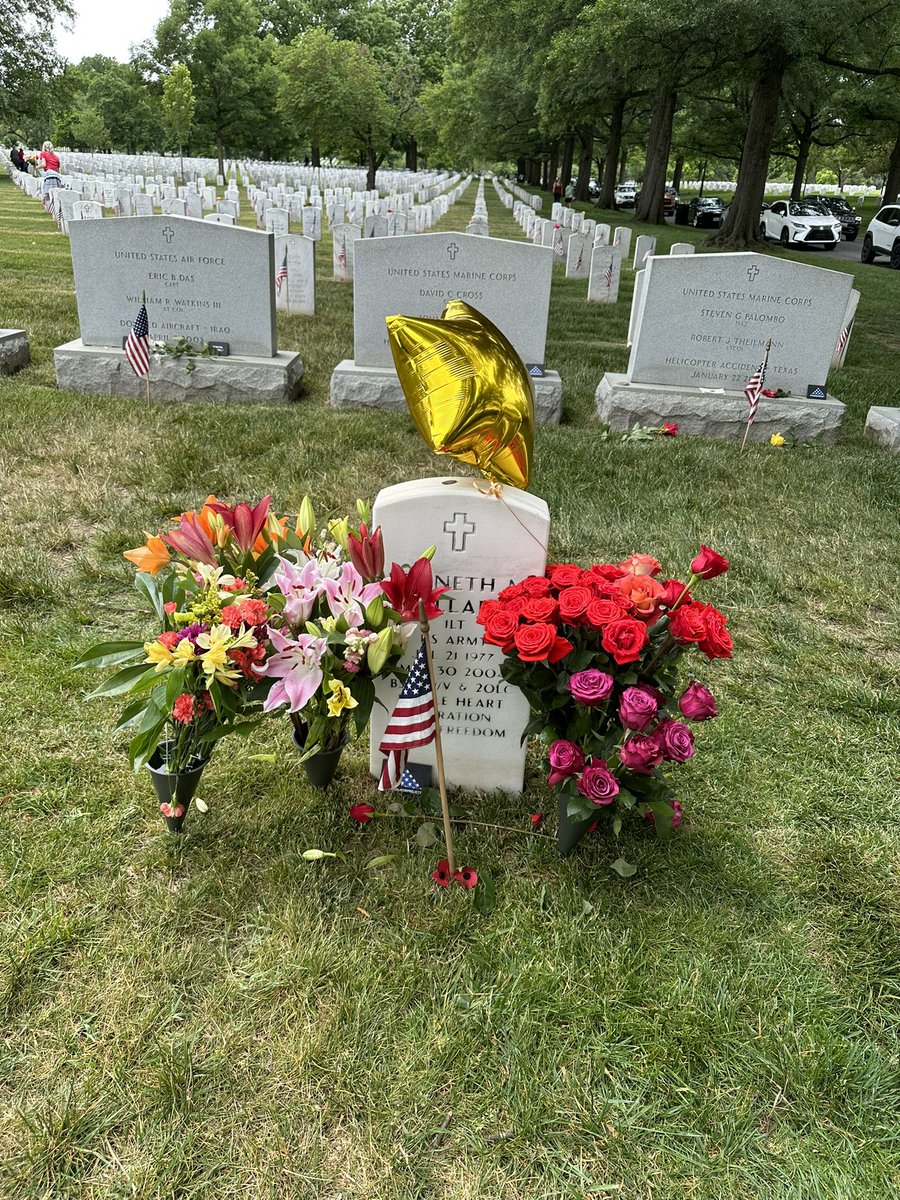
[(625, 639)]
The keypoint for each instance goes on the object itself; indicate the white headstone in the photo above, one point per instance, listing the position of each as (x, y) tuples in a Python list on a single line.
[(277, 221), (297, 290), (193, 205), (483, 545), (312, 222), (682, 248), (637, 299), (622, 239), (840, 351), (644, 249), (578, 257), (704, 321), (343, 249), (143, 205), (606, 270), (86, 210), (219, 218)]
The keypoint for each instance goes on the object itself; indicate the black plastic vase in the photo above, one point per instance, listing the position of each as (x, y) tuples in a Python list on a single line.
[(321, 768), (568, 832), (175, 790)]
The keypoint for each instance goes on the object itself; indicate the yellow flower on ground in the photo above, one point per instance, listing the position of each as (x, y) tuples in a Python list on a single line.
[(339, 699), (159, 654), (776, 440)]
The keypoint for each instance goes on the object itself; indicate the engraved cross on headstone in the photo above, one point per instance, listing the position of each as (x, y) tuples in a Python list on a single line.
[(453, 250), (168, 233), (460, 526), (752, 272)]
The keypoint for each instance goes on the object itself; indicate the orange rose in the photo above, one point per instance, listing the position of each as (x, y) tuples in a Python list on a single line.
[(643, 591), (640, 564)]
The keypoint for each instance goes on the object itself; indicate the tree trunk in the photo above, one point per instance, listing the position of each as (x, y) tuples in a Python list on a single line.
[(545, 172), (702, 177), (520, 170), (412, 155), (585, 159), (677, 173), (892, 183), (553, 172), (804, 144), (314, 154), (623, 164), (613, 146), (373, 162), (659, 140), (741, 227), (568, 153)]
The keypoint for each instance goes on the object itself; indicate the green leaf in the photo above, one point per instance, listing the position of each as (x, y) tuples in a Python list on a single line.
[(238, 728), (123, 681), (108, 654), (426, 834), (623, 868), (380, 861), (617, 825), (364, 694), (174, 685), (141, 749), (485, 899), (148, 585)]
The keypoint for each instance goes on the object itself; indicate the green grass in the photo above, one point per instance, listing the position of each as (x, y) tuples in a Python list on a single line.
[(213, 1017)]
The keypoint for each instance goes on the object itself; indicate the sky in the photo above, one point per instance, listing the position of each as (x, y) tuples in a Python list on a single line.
[(108, 27)]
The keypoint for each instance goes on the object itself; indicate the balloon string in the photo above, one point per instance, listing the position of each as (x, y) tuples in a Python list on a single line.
[(496, 489)]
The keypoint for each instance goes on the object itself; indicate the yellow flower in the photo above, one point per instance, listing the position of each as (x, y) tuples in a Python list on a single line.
[(327, 624), (216, 644), (159, 654), (339, 699), (776, 440), (183, 652)]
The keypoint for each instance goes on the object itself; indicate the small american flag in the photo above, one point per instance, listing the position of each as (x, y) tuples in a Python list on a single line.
[(342, 253), (411, 724), (609, 275), (648, 254), (559, 246), (754, 385), (843, 339), (281, 273), (137, 347)]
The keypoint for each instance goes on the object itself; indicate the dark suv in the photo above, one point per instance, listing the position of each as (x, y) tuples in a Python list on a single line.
[(706, 211), (837, 206)]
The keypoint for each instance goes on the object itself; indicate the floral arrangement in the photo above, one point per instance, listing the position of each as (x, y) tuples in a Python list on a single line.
[(596, 653), (195, 681), (341, 625)]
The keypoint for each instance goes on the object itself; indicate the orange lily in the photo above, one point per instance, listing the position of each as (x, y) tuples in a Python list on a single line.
[(150, 558), (202, 516)]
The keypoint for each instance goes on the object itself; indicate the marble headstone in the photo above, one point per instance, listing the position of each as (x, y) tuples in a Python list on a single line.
[(606, 270), (483, 545), (297, 293)]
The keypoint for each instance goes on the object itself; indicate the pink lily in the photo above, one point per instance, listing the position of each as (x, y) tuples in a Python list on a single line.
[(347, 595), (301, 587), (245, 523), (295, 667), (190, 539)]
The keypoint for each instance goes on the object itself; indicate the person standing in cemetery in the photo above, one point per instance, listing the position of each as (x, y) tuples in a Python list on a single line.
[(17, 158), (557, 191), (570, 193), (49, 161)]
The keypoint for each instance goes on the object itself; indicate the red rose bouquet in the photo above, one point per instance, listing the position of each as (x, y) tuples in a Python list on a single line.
[(596, 652)]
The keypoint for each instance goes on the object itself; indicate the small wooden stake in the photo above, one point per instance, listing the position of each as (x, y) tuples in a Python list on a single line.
[(438, 751)]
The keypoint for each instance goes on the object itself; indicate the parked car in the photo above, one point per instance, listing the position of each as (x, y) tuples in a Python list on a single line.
[(883, 236), (706, 212), (594, 189), (837, 206), (670, 201), (800, 223), (625, 195)]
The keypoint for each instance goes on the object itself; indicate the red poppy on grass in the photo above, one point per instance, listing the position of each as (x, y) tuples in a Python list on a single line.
[(442, 875), (466, 877)]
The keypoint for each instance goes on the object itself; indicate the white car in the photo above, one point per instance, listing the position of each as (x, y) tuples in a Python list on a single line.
[(799, 223), (624, 195), (883, 236)]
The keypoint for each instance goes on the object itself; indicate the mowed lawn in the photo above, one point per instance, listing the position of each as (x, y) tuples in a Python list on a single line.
[(214, 1017)]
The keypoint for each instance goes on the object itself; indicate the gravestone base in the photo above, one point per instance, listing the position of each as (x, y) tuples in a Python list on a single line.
[(378, 387), (621, 405), (102, 370), (884, 426), (14, 351)]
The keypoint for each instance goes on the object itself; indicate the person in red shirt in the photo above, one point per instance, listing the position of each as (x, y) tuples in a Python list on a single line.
[(49, 160)]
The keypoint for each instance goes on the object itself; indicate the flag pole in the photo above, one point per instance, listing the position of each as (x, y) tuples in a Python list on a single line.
[(438, 750), (147, 376), (753, 411)]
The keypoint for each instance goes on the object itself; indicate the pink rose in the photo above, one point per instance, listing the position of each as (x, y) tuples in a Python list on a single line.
[(697, 703), (566, 759), (638, 707), (641, 754), (590, 687), (674, 740), (598, 784)]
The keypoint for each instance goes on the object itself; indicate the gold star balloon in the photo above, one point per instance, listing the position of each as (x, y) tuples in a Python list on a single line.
[(467, 390)]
